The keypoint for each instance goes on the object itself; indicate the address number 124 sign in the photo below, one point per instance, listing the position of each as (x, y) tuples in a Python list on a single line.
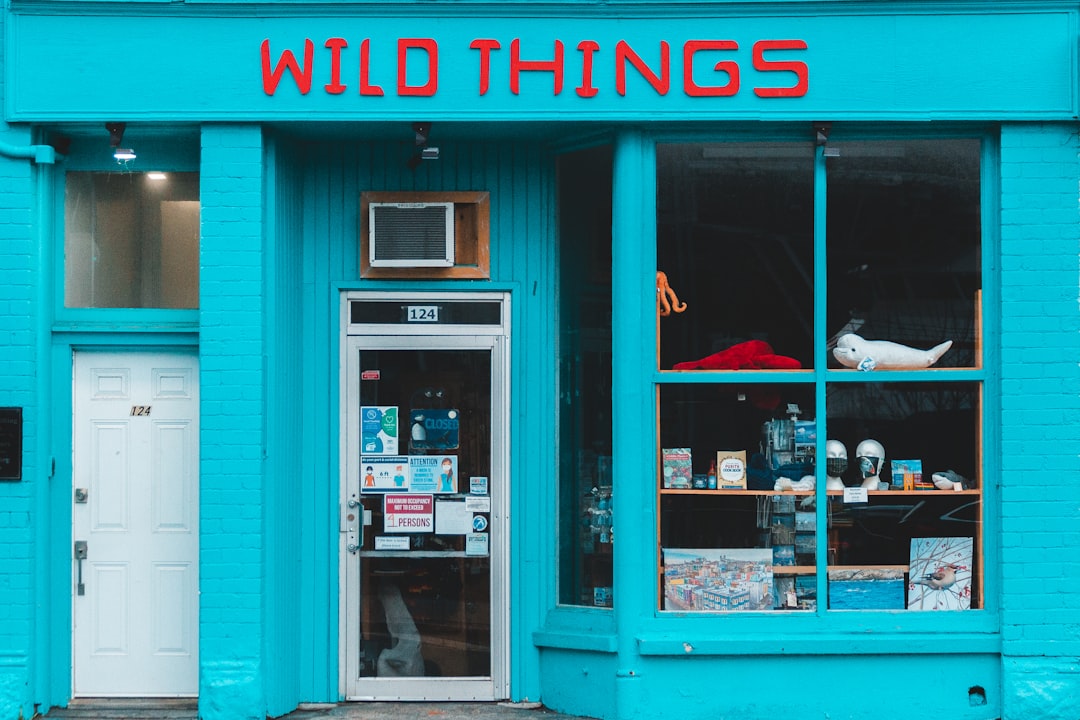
[(422, 313)]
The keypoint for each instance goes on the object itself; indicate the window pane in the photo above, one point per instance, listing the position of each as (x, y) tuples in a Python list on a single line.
[(916, 447), (131, 240), (585, 462), (904, 276), (903, 245), (732, 540), (735, 239)]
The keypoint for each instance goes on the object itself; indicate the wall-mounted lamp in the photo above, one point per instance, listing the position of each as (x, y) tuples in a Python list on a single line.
[(116, 133), (116, 137), (821, 138), (421, 130)]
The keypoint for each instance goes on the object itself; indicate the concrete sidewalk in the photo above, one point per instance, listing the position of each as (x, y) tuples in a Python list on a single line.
[(151, 709), (428, 711)]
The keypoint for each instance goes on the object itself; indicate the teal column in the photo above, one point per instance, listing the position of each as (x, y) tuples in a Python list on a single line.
[(232, 299), (24, 627), (1040, 413), (633, 320)]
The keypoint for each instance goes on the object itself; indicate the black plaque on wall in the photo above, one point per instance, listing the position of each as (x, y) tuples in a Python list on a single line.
[(11, 437)]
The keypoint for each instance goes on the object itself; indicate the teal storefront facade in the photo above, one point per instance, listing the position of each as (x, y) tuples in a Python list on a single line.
[(193, 502)]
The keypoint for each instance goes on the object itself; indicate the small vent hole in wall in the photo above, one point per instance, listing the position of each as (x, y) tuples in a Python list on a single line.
[(976, 696)]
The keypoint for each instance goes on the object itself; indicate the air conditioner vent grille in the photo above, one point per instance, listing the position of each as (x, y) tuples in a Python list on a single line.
[(412, 234)]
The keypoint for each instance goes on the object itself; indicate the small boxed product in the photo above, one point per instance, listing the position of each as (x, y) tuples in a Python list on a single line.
[(906, 474), (731, 469), (677, 469)]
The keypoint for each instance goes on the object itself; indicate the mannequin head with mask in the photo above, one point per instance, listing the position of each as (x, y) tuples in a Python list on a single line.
[(871, 458)]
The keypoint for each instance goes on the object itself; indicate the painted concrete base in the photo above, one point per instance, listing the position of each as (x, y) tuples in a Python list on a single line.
[(1041, 688), (15, 691), (231, 691)]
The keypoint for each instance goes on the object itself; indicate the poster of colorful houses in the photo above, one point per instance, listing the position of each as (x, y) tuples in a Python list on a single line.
[(718, 579)]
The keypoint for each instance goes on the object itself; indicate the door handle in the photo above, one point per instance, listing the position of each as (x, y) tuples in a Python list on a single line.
[(80, 555)]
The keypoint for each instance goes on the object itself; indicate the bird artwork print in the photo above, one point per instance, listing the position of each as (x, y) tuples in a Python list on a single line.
[(939, 573), (940, 579)]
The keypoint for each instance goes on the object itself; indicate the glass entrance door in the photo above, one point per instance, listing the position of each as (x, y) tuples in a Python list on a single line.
[(423, 526)]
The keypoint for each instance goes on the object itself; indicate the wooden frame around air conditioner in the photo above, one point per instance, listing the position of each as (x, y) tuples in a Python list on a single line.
[(472, 236)]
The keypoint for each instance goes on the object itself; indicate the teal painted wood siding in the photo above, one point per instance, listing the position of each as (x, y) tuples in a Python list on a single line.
[(314, 241)]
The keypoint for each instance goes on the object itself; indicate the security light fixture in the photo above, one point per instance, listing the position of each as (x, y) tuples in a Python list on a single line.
[(116, 137), (821, 136), (116, 133), (421, 131), (821, 132)]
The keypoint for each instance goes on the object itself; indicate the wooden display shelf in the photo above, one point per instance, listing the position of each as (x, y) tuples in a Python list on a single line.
[(811, 569), (830, 493), (681, 491)]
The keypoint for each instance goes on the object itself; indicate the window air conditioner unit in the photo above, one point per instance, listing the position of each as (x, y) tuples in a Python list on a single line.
[(411, 234)]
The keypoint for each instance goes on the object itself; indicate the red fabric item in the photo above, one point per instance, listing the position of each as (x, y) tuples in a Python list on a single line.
[(749, 355)]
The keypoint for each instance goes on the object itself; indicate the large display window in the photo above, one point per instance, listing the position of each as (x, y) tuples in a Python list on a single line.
[(820, 298), (586, 477)]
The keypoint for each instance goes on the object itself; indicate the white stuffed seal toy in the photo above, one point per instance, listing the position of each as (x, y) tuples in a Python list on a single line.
[(854, 351)]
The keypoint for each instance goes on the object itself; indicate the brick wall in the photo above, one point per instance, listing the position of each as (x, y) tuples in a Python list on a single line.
[(1040, 420), (233, 425), (19, 362)]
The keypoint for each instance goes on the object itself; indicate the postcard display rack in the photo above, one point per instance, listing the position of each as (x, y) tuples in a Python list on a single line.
[(739, 527)]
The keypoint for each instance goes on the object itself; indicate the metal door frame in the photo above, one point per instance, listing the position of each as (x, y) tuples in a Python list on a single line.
[(404, 336)]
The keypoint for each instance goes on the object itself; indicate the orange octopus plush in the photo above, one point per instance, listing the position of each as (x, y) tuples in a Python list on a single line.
[(666, 298)]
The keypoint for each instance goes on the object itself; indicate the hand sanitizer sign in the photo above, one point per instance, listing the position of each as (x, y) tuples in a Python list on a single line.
[(379, 430)]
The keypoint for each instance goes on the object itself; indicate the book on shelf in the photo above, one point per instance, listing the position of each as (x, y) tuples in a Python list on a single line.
[(677, 468), (906, 474)]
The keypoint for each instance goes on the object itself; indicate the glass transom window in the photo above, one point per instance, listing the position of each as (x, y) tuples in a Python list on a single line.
[(131, 240)]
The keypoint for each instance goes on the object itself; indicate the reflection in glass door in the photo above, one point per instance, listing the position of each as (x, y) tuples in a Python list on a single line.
[(423, 525)]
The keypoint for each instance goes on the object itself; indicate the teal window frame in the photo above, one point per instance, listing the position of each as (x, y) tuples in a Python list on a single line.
[(158, 150), (634, 333)]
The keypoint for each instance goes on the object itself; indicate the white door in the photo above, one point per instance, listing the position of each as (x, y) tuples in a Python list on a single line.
[(135, 519)]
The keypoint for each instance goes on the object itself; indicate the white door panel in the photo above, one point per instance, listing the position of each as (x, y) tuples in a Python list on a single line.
[(136, 455)]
